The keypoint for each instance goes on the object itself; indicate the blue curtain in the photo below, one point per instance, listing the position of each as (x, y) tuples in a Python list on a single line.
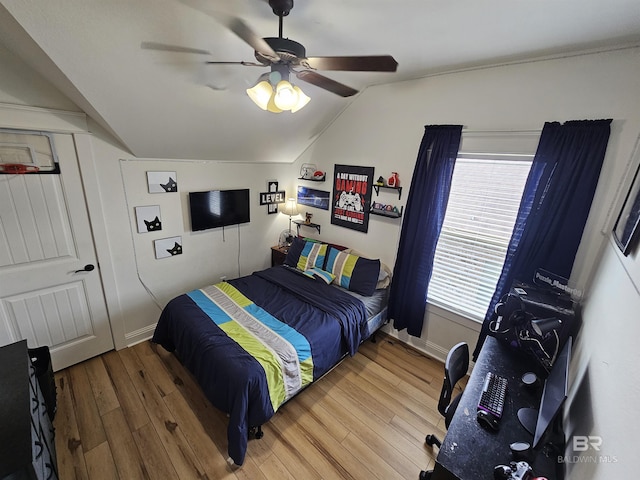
[(555, 205), (424, 214)]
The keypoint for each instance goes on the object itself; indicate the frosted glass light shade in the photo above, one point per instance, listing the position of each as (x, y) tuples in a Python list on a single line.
[(286, 97), (261, 93), (271, 106), (302, 99)]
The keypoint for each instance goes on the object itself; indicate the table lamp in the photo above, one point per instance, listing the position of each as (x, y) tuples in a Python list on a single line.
[(290, 208)]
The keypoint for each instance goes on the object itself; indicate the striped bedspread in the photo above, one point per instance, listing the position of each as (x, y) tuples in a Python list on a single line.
[(254, 342)]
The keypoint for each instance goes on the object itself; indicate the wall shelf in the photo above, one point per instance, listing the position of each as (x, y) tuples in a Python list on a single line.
[(312, 179), (378, 187), (387, 213), (302, 223)]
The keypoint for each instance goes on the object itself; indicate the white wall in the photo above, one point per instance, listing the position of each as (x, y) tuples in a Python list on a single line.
[(605, 391), (143, 283), (384, 128)]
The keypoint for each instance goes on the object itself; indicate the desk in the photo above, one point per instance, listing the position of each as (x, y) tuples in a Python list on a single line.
[(469, 452)]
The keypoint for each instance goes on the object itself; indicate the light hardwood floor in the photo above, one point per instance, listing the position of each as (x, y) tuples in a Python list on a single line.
[(138, 413)]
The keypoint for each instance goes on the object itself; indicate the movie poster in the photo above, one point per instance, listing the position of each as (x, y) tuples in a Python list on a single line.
[(352, 197)]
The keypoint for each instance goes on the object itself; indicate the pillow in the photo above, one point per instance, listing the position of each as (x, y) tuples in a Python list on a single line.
[(319, 274), (305, 255), (352, 272), (384, 277)]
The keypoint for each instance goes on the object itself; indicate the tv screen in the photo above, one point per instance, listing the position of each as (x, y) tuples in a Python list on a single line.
[(218, 208)]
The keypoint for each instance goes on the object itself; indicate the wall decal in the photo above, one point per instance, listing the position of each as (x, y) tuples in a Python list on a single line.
[(352, 187), (273, 197), (168, 247), (148, 218), (162, 182)]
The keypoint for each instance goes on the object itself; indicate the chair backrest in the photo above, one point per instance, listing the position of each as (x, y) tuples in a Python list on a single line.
[(455, 367)]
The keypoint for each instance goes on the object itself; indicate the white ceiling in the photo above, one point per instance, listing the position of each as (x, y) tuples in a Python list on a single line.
[(172, 105)]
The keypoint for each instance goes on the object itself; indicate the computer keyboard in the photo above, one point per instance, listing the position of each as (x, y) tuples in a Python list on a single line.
[(493, 393)]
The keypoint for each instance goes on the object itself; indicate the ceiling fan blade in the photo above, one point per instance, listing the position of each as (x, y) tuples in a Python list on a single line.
[(326, 83), (371, 63), (246, 64), (172, 48), (245, 32)]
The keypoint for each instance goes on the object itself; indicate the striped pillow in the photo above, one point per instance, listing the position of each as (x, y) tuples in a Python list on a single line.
[(354, 273), (318, 273), (305, 255), (312, 255)]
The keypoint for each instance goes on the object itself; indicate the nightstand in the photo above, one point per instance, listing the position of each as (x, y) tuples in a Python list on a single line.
[(278, 255)]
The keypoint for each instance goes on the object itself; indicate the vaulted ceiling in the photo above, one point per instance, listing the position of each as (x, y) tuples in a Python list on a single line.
[(164, 104)]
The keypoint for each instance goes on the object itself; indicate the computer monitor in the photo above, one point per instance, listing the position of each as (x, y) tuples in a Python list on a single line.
[(538, 422)]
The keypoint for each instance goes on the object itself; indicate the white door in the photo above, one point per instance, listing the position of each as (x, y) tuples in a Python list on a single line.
[(46, 294)]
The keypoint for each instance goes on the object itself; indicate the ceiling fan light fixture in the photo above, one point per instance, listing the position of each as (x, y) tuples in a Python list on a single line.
[(261, 92), (302, 99), (271, 106), (285, 96)]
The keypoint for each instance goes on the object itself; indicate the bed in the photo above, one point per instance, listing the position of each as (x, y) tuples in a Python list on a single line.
[(254, 342)]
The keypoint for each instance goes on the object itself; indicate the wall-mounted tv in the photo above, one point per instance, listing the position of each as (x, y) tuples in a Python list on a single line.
[(218, 208)]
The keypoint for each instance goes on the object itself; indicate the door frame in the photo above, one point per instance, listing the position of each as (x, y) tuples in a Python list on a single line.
[(75, 123)]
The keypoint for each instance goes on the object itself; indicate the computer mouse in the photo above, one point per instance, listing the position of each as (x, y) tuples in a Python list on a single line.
[(487, 420)]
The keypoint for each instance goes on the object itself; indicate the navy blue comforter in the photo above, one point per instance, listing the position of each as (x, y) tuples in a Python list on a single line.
[(332, 321)]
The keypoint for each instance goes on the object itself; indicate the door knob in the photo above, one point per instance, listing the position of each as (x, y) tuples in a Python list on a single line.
[(87, 268)]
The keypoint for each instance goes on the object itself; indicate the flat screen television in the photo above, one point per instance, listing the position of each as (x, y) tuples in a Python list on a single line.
[(539, 422), (218, 208)]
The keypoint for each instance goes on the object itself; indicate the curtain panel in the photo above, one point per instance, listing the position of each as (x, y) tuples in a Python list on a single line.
[(424, 214), (555, 205)]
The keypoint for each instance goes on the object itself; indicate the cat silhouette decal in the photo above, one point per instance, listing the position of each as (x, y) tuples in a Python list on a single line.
[(153, 225), (170, 186), (176, 249)]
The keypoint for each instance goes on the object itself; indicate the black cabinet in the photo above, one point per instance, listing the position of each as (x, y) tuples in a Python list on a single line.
[(27, 447)]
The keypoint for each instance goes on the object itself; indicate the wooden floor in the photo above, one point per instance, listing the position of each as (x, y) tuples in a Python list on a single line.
[(137, 413)]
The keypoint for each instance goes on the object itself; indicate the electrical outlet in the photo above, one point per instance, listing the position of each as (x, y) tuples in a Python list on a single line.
[(223, 278)]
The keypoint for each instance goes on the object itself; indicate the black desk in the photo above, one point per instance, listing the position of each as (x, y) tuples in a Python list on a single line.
[(469, 452)]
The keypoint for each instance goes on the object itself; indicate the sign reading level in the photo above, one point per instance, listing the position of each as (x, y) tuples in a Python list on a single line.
[(267, 198)]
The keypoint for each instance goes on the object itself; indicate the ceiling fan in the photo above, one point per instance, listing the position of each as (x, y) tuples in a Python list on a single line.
[(286, 56)]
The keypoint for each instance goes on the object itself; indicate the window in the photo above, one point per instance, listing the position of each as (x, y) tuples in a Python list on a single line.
[(485, 196)]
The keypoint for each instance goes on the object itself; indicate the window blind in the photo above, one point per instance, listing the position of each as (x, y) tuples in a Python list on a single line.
[(484, 200)]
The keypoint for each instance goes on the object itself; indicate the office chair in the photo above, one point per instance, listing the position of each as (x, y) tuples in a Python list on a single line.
[(455, 367)]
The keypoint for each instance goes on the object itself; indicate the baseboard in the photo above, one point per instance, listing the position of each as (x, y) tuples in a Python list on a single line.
[(139, 336)]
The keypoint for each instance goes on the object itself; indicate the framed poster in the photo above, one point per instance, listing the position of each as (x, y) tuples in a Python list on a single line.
[(162, 182), (168, 247), (148, 218), (625, 232), (351, 203), (313, 198)]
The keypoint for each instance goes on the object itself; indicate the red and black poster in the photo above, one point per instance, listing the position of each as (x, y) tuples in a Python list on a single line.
[(352, 197)]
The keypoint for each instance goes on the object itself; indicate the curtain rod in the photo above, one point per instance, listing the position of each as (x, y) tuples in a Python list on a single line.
[(502, 132)]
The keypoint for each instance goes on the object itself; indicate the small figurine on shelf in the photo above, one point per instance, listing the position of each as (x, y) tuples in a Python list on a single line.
[(393, 181), (307, 217), (380, 181), (318, 175)]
